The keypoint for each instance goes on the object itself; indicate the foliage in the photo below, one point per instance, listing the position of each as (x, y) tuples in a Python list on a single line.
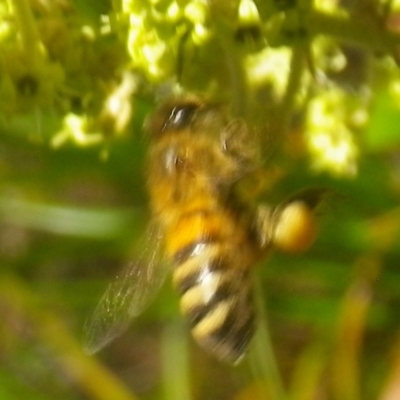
[(318, 79)]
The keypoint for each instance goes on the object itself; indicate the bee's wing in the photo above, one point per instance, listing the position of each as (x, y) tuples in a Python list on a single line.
[(241, 143), (127, 295)]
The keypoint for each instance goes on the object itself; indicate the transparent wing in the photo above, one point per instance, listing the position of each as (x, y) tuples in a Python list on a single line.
[(241, 143), (127, 295)]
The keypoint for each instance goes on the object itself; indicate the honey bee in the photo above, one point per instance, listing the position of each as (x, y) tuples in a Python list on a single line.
[(207, 230)]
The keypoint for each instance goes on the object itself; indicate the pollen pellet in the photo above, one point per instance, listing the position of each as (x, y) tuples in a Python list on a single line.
[(296, 228)]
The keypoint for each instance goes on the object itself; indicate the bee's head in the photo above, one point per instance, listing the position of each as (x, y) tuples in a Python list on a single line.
[(197, 139)]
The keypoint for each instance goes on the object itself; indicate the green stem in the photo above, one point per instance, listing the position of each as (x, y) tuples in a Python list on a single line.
[(361, 32), (297, 67), (234, 63), (176, 382), (262, 358)]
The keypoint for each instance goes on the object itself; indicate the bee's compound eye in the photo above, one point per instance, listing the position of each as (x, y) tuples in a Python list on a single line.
[(180, 116), (296, 228)]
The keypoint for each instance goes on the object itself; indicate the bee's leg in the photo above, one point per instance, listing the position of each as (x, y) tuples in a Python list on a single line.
[(264, 226), (291, 227)]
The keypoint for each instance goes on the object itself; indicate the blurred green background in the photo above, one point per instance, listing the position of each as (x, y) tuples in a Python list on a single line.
[(328, 319)]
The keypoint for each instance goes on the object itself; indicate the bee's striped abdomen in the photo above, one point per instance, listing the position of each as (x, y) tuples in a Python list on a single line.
[(214, 286)]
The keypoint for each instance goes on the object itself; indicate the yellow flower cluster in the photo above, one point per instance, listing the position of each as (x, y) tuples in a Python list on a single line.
[(237, 51), (328, 135), (157, 29)]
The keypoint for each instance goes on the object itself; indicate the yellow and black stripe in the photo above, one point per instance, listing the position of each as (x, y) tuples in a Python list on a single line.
[(214, 283)]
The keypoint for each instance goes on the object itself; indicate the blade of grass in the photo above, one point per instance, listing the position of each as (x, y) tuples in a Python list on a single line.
[(308, 372), (351, 326), (391, 388), (86, 372)]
